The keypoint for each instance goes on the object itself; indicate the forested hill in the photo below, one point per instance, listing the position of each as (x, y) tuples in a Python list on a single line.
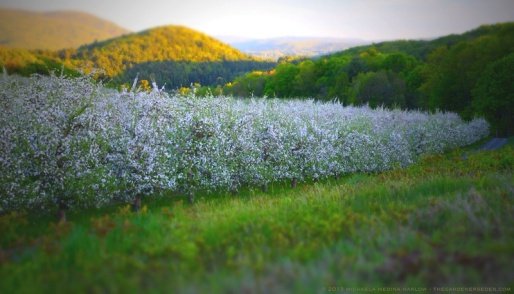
[(422, 48), (469, 73), (173, 55), (169, 43), (53, 30)]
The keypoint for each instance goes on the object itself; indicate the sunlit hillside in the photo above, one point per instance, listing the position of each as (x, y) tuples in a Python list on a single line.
[(168, 43)]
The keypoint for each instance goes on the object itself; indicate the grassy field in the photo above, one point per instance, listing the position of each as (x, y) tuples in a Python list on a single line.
[(446, 221)]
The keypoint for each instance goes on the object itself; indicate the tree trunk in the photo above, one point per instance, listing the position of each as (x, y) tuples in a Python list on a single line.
[(294, 183), (234, 190), (136, 205), (191, 197), (61, 213), (264, 188)]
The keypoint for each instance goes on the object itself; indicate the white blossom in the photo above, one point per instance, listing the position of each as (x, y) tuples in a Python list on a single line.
[(75, 141)]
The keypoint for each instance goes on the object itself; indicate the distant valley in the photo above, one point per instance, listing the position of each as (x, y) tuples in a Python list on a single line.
[(274, 48)]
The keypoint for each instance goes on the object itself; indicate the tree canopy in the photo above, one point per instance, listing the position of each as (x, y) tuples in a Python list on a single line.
[(446, 73)]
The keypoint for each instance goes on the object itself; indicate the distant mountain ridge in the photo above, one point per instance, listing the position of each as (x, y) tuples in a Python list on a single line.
[(275, 48), (53, 30)]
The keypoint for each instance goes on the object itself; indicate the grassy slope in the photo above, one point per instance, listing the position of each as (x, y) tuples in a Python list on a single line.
[(53, 30), (443, 221)]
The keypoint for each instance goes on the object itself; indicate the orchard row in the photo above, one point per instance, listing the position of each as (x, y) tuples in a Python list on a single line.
[(74, 143)]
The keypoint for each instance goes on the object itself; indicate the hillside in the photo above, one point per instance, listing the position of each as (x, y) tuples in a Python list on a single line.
[(53, 30), (168, 43), (174, 56), (422, 48), (25, 62)]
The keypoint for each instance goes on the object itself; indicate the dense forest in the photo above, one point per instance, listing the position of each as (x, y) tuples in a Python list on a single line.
[(170, 43), (467, 73), (183, 74)]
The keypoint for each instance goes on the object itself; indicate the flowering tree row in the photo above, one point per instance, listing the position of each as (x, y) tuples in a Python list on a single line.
[(71, 142)]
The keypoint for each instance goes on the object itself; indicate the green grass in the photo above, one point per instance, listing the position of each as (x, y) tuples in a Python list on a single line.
[(446, 221)]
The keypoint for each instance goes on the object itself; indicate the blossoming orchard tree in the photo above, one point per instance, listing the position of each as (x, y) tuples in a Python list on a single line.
[(137, 129), (73, 143), (49, 140)]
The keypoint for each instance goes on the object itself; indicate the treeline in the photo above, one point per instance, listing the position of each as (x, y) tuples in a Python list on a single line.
[(470, 74), (25, 63), (368, 77), (182, 74), (173, 74)]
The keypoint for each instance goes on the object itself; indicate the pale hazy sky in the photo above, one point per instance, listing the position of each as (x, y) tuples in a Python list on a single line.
[(365, 19)]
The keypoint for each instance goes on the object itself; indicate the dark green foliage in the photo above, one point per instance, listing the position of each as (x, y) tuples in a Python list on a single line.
[(420, 49), (453, 72), (281, 83), (379, 88), (177, 74), (339, 77), (493, 96), (356, 66), (251, 84), (399, 63), (435, 74)]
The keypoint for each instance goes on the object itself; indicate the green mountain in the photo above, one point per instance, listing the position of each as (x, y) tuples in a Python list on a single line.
[(168, 43), (53, 30)]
